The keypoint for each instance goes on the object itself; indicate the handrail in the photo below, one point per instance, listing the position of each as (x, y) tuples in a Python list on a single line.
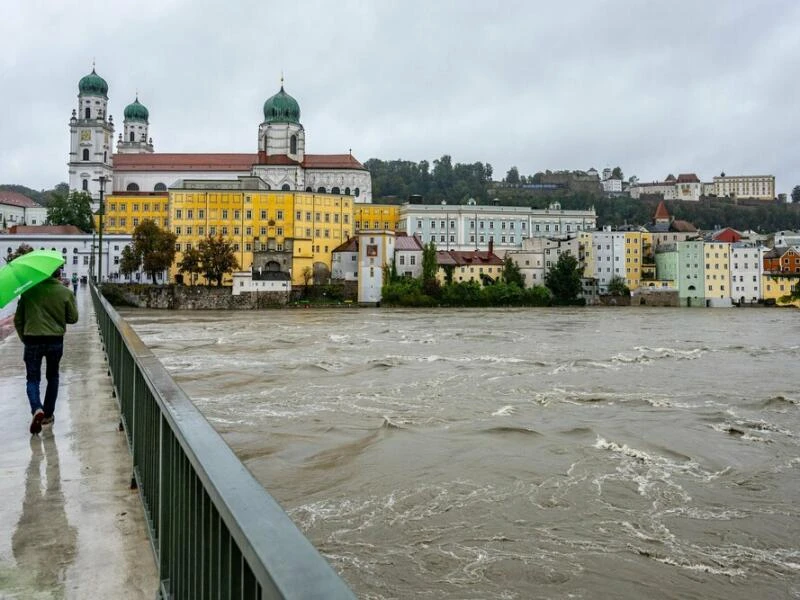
[(215, 531)]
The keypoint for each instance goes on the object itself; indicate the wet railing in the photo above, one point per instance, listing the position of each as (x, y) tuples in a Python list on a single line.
[(215, 531)]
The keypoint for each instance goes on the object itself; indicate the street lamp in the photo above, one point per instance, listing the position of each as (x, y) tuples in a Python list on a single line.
[(101, 211)]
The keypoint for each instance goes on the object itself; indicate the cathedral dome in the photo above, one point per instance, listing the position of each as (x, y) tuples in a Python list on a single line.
[(136, 111), (93, 85), (281, 108)]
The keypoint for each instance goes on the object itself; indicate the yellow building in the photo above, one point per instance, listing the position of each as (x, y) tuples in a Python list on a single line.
[(774, 287), (247, 214), (125, 210), (640, 261), (468, 265), (384, 217), (717, 270)]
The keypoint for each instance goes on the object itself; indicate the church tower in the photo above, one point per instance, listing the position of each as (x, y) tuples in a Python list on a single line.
[(134, 138), (282, 141), (91, 137)]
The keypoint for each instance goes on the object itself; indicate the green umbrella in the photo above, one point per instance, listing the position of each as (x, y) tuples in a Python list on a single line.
[(26, 271)]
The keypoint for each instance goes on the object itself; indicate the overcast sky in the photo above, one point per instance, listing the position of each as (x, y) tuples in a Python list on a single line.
[(655, 87)]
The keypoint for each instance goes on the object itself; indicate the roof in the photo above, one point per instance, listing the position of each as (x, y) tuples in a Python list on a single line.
[(351, 245), (406, 242), (17, 199), (728, 234), (226, 162), (682, 226), (46, 229), (661, 212), (467, 257), (688, 178)]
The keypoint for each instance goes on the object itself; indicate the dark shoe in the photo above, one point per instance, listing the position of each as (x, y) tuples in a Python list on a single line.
[(48, 421), (36, 422)]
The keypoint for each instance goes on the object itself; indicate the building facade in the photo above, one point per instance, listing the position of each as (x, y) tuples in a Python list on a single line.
[(16, 209), (761, 187)]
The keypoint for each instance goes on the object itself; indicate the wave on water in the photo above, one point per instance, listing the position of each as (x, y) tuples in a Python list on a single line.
[(779, 402), (510, 430), (505, 411)]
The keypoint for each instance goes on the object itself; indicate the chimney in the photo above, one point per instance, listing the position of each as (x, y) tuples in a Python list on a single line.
[(491, 247)]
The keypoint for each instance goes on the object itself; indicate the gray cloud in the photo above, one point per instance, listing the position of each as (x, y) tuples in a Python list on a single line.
[(653, 87)]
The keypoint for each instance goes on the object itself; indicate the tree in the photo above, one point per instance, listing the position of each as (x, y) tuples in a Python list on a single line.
[(617, 287), (796, 193), (154, 246), (512, 176), (191, 263), (616, 173), (429, 263), (511, 273), (22, 249), (218, 258), (308, 275), (74, 208), (564, 278), (129, 261)]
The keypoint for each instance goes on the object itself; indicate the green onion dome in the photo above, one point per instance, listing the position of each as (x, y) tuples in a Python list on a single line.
[(281, 108), (136, 111), (93, 85)]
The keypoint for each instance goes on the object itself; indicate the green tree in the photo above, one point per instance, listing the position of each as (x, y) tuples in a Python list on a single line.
[(429, 264), (511, 273), (154, 246), (21, 249), (308, 275), (616, 173), (129, 261), (74, 208), (796, 194), (512, 176), (564, 278), (218, 258), (617, 287), (191, 263)]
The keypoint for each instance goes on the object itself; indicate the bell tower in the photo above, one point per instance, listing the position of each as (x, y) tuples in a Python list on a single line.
[(91, 137)]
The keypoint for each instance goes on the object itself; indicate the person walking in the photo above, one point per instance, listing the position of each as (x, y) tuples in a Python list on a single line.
[(75, 283), (43, 313)]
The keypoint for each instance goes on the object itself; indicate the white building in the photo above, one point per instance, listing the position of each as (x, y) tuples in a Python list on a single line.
[(79, 249), (244, 282), (786, 238), (608, 257), (375, 250), (747, 266), (471, 227), (16, 209), (408, 256), (761, 187), (538, 255), (344, 261), (281, 159), (687, 186)]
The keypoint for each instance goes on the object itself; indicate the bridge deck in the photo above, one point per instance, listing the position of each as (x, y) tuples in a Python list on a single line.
[(71, 526)]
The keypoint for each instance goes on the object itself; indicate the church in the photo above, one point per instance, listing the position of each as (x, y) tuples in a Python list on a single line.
[(281, 161)]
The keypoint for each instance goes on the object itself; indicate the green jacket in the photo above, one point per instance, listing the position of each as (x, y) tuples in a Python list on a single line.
[(45, 309)]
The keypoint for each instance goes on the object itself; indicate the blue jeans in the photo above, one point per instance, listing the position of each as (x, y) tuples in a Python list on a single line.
[(33, 355)]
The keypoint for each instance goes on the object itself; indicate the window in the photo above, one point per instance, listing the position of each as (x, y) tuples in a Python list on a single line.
[(320, 190), (85, 154), (413, 259), (135, 207), (160, 187), (293, 145), (285, 187), (133, 187), (224, 230), (178, 213), (335, 190), (85, 185), (237, 214), (74, 260)]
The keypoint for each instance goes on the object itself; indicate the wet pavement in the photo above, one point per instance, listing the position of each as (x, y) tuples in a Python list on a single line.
[(71, 527)]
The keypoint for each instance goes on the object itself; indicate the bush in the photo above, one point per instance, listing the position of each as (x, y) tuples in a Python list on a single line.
[(114, 294)]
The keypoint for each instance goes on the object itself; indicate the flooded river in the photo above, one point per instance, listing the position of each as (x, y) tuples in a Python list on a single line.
[(515, 454)]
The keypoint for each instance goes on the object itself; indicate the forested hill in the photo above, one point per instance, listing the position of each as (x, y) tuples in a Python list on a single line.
[(395, 180), (42, 197)]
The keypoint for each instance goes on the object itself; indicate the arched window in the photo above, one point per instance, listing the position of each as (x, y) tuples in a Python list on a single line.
[(285, 187), (293, 145), (85, 154), (358, 192), (133, 187), (347, 191), (335, 190), (105, 156), (133, 137), (320, 190), (85, 185), (160, 187), (88, 113), (309, 189)]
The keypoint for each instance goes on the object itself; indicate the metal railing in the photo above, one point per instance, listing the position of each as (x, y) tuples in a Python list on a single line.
[(215, 531)]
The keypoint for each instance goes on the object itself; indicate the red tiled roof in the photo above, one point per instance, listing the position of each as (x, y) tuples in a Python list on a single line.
[(17, 199), (467, 257), (661, 211), (46, 229), (350, 245), (688, 178), (226, 162), (406, 242), (728, 234)]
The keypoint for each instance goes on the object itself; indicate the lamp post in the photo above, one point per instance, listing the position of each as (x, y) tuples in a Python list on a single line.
[(101, 211)]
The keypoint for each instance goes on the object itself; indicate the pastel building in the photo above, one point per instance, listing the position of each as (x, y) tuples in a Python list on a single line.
[(608, 250), (538, 255), (691, 273), (464, 266), (16, 209), (746, 272), (717, 274), (761, 187), (375, 251)]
